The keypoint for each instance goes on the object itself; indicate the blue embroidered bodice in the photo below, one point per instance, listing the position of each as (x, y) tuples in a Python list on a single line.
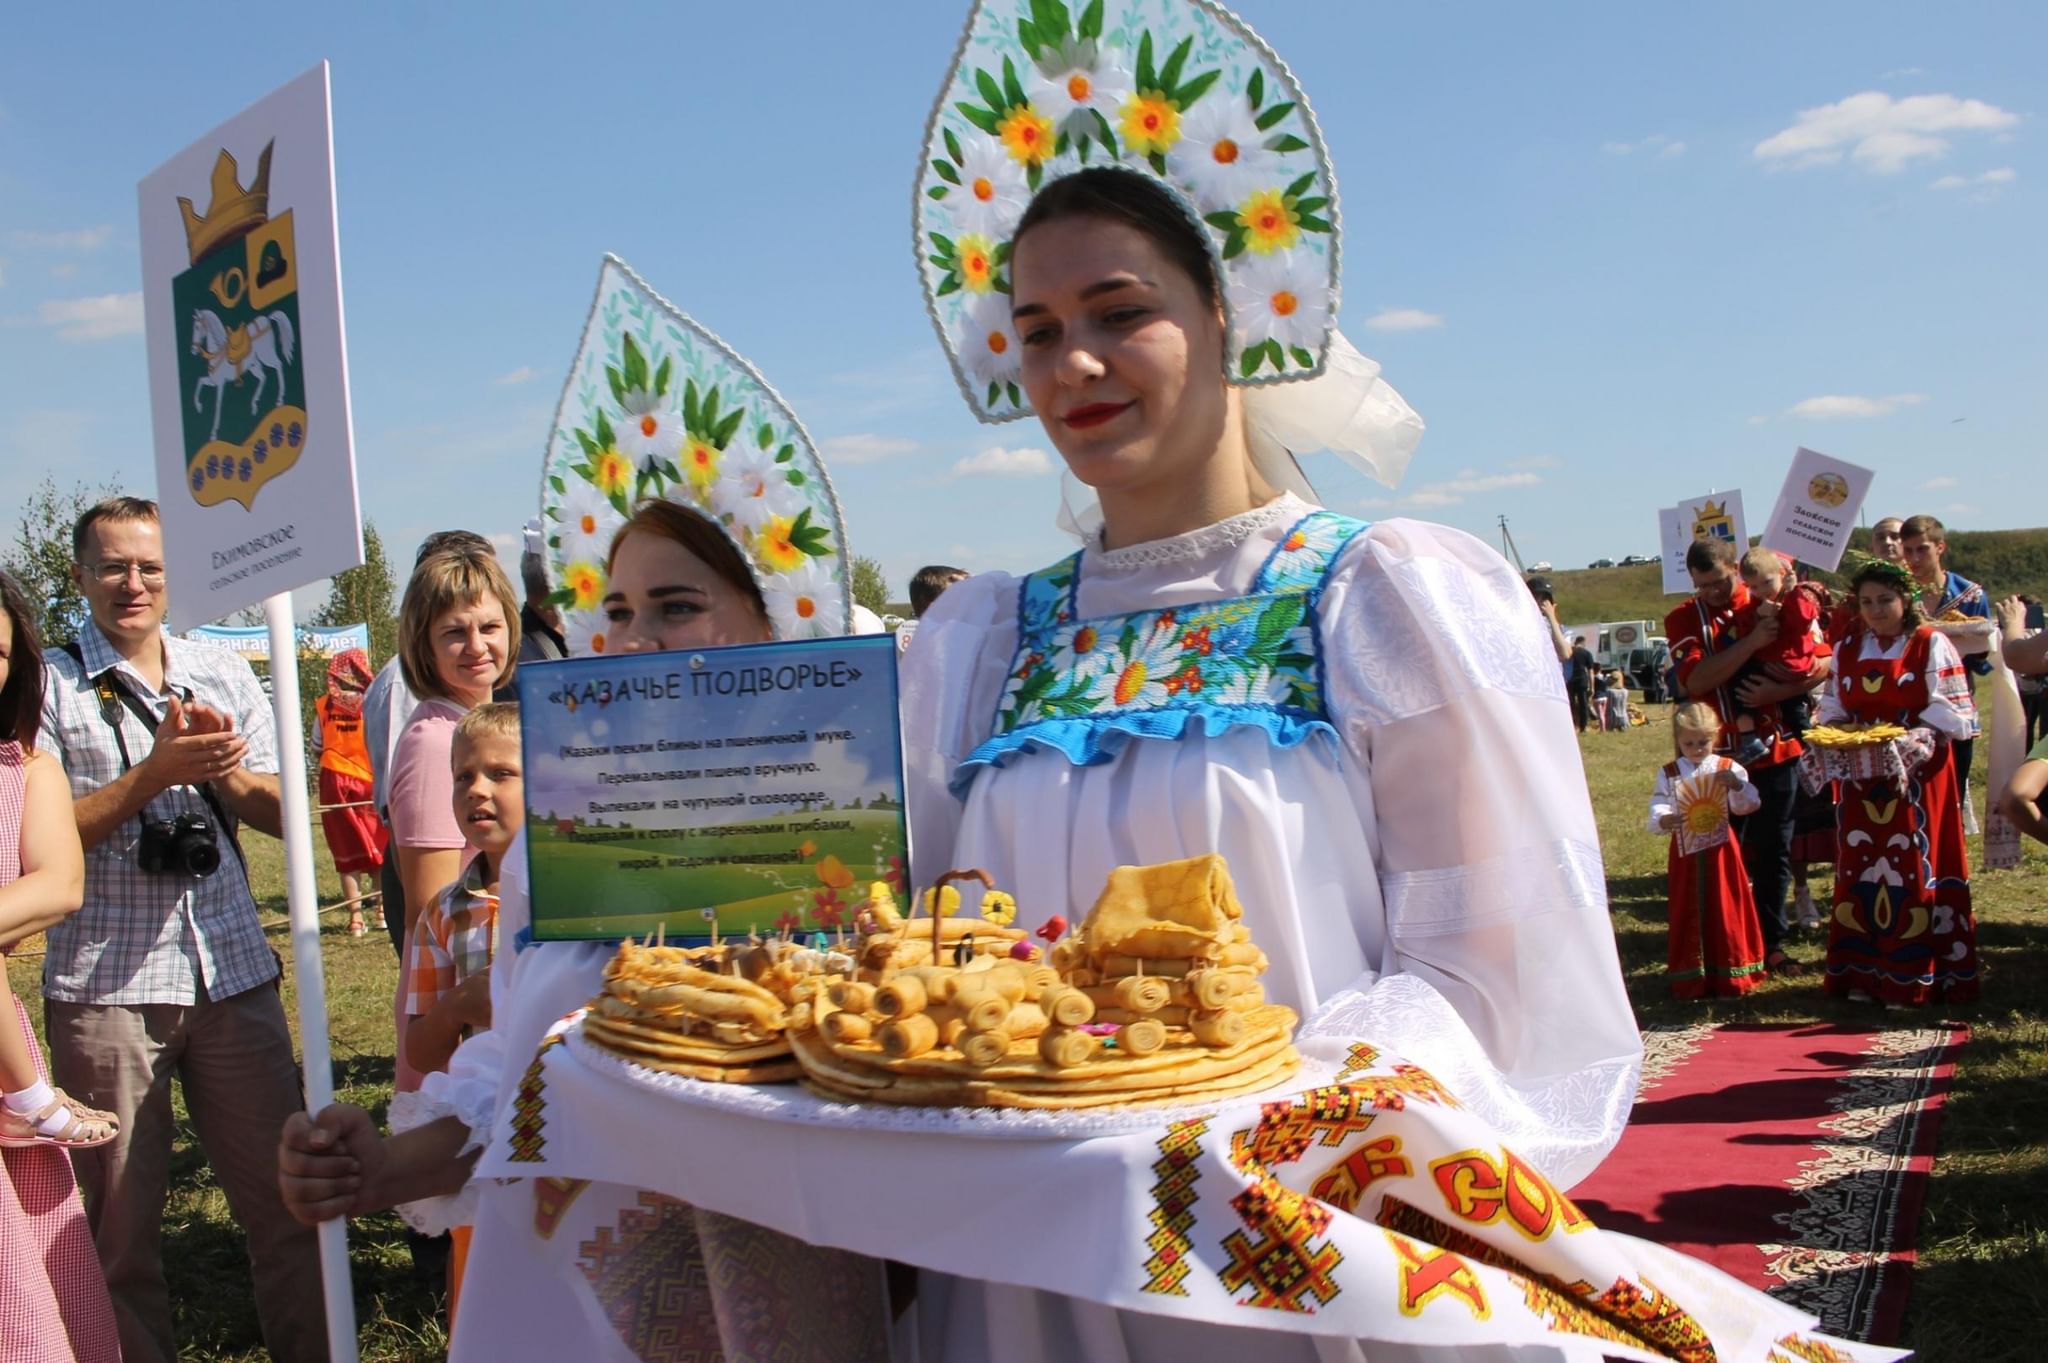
[(1084, 688)]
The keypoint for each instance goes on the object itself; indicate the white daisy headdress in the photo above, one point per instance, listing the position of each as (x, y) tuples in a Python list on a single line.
[(657, 406), (1185, 92)]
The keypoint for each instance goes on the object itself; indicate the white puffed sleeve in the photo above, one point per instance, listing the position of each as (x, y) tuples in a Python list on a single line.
[(1827, 707), (1746, 800), (1950, 710), (1443, 681), (533, 985), (951, 680)]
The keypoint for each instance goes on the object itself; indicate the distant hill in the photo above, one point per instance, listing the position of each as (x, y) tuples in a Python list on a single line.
[(2005, 561)]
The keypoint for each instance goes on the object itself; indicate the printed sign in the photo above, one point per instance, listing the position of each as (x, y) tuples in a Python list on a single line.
[(253, 641), (247, 370), (1702, 804), (1717, 515), (1817, 509), (734, 790)]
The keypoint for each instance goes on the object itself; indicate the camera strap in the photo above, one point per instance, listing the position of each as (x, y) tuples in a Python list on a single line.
[(112, 696)]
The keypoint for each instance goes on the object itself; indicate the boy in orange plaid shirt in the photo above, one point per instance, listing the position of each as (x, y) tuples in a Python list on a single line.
[(448, 979), (448, 972)]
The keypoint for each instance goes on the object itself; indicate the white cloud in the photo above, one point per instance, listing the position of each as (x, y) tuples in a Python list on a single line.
[(863, 447), (1403, 319), (1936, 484), (1657, 145), (522, 374), (1848, 407), (1468, 483), (1879, 133), (2003, 175), (996, 462), (93, 319), (83, 239)]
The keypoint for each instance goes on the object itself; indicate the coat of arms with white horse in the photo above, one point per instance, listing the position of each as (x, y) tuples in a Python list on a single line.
[(241, 376)]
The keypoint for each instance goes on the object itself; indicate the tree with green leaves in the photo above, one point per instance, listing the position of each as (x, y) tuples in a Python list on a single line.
[(364, 595), (870, 587), (41, 557)]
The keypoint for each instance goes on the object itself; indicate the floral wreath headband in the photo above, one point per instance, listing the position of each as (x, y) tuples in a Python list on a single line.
[(1859, 563), (657, 406), (1184, 92)]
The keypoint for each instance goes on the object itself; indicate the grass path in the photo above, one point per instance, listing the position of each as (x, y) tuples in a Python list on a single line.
[(1979, 1293)]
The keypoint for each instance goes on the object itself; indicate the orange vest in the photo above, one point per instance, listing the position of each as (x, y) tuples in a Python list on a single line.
[(342, 749)]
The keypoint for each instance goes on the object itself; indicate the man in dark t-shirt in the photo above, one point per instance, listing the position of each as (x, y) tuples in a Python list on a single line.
[(1581, 668)]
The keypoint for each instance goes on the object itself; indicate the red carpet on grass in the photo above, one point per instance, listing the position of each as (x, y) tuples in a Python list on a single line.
[(1793, 1158)]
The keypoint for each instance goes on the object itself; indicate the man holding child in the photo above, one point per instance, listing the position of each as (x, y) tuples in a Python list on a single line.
[(1724, 645)]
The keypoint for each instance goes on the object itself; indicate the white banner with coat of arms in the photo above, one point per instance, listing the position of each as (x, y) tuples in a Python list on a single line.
[(248, 374)]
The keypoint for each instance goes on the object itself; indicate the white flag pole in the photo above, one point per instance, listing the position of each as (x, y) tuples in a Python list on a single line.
[(306, 966)]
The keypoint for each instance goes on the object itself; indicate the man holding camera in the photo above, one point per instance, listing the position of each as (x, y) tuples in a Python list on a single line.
[(165, 971)]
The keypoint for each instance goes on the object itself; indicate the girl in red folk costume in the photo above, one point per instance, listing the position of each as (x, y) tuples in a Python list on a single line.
[(1901, 931), (1716, 945)]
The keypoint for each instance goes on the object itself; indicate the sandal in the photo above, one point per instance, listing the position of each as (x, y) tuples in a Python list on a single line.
[(84, 1127), (356, 928), (1778, 963)]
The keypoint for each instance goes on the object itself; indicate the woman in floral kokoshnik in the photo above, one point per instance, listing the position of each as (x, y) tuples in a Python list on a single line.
[(1901, 930), (722, 557), (1366, 721)]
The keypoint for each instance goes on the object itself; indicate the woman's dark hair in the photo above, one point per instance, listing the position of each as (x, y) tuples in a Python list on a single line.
[(1137, 201), (21, 700), (1893, 578), (701, 536)]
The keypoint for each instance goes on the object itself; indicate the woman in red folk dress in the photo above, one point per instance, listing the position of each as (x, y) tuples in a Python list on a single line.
[(1901, 931), (1717, 944)]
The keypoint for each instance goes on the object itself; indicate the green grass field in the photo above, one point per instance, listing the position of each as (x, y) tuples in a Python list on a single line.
[(748, 896), (1978, 1294)]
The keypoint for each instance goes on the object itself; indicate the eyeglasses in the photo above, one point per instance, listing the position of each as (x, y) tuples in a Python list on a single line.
[(115, 572)]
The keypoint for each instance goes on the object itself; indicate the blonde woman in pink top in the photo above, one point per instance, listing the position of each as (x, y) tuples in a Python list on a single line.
[(458, 638)]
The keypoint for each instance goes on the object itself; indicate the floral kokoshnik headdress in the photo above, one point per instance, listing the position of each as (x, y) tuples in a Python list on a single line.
[(1183, 91), (657, 406)]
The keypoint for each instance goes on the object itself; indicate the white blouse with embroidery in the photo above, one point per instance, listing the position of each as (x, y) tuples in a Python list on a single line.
[(1664, 798), (1447, 837), (1430, 879)]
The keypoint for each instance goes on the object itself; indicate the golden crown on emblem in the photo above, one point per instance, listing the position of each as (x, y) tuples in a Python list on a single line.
[(1710, 509), (234, 211)]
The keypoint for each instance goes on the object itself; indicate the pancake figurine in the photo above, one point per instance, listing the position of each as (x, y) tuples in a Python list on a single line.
[(718, 1013), (1156, 999)]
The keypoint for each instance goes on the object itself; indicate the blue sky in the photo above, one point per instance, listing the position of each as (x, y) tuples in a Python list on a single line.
[(1612, 253)]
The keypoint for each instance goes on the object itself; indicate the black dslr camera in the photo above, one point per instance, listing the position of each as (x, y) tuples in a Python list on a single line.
[(186, 845)]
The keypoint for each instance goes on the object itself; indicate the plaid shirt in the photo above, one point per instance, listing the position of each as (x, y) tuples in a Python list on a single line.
[(143, 937), (452, 940)]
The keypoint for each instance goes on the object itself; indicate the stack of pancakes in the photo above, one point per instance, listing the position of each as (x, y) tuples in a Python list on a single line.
[(1155, 1000), (717, 1013)]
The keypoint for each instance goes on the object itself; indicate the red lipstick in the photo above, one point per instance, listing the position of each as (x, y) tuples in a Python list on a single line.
[(1094, 414)]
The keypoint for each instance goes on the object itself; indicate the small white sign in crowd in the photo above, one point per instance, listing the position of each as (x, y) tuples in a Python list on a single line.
[(1815, 514)]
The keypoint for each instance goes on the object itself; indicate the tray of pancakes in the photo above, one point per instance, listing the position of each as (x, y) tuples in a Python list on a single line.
[(1154, 1000), (1970, 634), (718, 1013)]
